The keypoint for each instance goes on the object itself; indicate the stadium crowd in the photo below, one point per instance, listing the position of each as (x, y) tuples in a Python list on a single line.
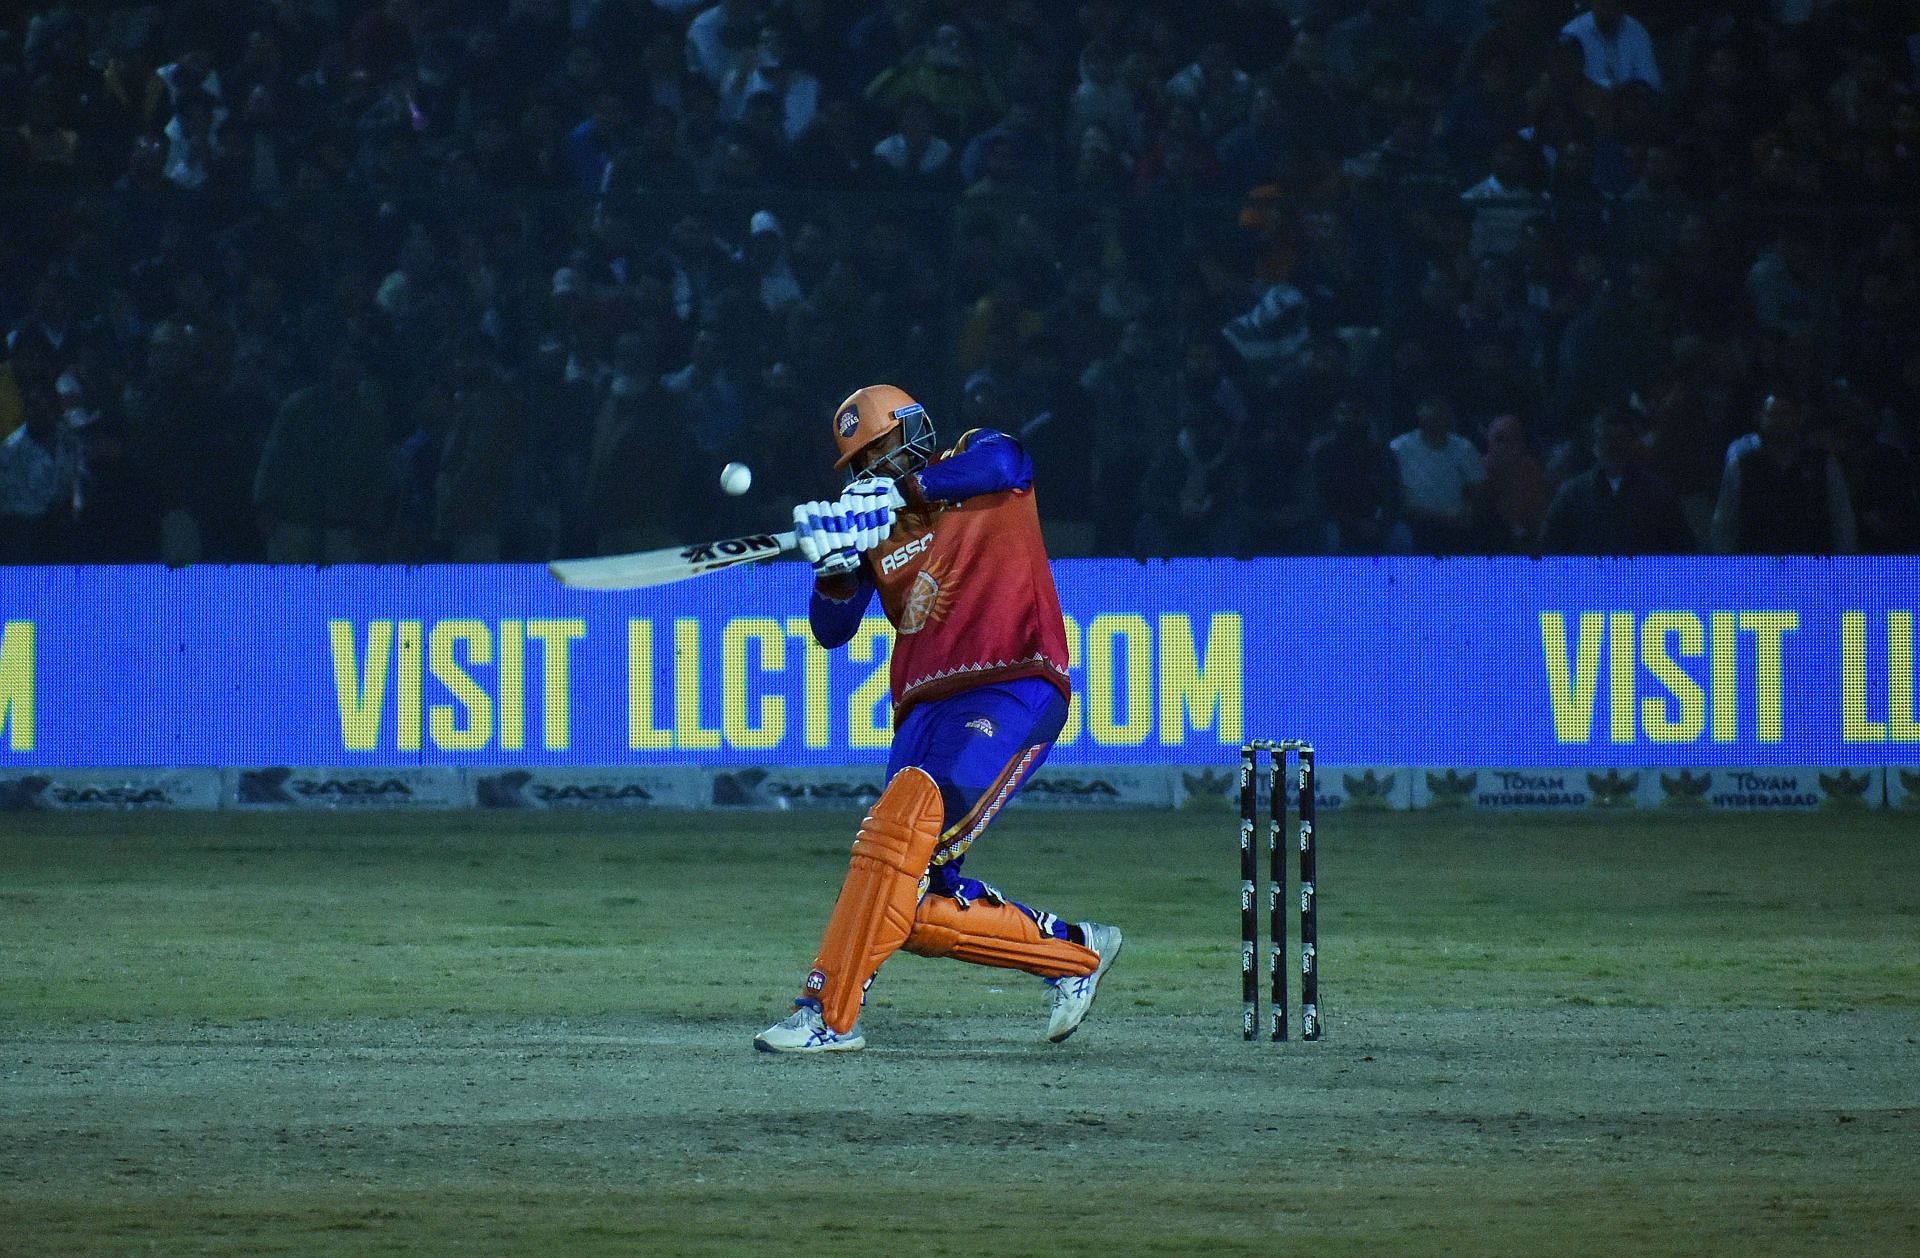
[(410, 280)]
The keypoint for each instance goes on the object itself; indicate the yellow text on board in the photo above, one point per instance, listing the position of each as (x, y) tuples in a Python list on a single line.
[(18, 679), (379, 674), (1738, 687), (1137, 679), (759, 684)]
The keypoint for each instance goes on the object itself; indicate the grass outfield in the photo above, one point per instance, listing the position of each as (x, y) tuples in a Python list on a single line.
[(530, 1033)]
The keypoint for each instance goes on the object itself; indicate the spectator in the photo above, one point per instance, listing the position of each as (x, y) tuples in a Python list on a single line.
[(39, 480), (641, 435), (1275, 332), (1505, 201), (322, 488), (1180, 157), (767, 267), (1194, 494), (458, 128), (1103, 99), (1615, 507), (1356, 485), (1781, 495), (1615, 48), (1382, 33), (722, 39), (1134, 398), (661, 82), (651, 164), (474, 470), (943, 72), (769, 69), (1442, 482), (1484, 110), (1516, 484), (1217, 88), (1255, 151), (47, 326), (919, 158), (592, 145), (1882, 485), (695, 263), (1780, 283), (1016, 153), (710, 392), (836, 153), (52, 149)]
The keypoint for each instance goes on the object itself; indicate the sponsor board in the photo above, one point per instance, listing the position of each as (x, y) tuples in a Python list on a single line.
[(1337, 788), (1676, 662), (589, 788), (115, 790), (1094, 787), (1526, 790), (283, 786), (1770, 786), (796, 788)]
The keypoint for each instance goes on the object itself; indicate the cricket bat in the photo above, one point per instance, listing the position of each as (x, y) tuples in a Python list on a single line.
[(645, 568)]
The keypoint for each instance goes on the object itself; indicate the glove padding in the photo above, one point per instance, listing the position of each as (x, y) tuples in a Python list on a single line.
[(867, 509), (820, 529)]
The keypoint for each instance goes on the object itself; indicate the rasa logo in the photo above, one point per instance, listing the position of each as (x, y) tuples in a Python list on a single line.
[(902, 557)]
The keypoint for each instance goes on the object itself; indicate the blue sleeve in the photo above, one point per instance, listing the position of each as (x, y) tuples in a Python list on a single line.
[(835, 620), (987, 462)]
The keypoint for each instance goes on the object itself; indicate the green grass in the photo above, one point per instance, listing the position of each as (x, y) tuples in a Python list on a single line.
[(527, 1033)]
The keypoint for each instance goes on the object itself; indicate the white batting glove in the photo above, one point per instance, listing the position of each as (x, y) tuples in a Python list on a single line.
[(869, 504), (821, 532)]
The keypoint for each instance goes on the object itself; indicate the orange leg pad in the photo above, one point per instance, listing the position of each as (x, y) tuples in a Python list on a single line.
[(874, 913), (999, 935)]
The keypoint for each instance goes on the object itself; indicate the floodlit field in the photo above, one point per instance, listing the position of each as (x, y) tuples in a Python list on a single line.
[(531, 1033)]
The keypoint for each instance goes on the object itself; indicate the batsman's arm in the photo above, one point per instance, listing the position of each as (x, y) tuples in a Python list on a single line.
[(838, 605), (983, 462)]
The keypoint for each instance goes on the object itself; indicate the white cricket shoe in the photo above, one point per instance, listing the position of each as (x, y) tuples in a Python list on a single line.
[(1070, 998), (805, 1031)]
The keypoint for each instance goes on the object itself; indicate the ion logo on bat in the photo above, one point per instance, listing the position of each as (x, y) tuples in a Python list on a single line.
[(732, 548)]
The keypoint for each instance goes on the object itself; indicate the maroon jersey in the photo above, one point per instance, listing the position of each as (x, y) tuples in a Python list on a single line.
[(970, 594)]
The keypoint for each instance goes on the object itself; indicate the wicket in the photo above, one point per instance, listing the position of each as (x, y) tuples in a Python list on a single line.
[(1310, 1023)]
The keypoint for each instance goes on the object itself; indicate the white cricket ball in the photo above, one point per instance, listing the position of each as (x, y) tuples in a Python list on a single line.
[(736, 478)]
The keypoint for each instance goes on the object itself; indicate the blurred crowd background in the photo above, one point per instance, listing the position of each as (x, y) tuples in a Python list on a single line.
[(466, 280)]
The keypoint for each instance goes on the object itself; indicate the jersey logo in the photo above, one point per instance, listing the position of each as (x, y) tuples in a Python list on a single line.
[(981, 725), (900, 558), (928, 599)]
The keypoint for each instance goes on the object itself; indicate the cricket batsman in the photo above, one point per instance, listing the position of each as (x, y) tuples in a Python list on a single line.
[(951, 541)]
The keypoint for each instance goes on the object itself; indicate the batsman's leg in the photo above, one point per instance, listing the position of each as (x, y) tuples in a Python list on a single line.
[(987, 929), (875, 912)]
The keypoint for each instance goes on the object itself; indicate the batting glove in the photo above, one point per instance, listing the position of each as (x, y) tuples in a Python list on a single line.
[(869, 504), (820, 529)]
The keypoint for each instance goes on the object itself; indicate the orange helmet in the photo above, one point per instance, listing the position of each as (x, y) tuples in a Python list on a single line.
[(870, 414)]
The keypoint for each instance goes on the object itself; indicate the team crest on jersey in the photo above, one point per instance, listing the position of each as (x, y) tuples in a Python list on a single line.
[(848, 421), (927, 599), (981, 725)]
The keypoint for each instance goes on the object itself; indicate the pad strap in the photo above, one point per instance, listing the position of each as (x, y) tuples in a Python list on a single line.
[(993, 932)]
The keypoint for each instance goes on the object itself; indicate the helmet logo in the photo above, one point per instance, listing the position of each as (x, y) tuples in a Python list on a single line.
[(848, 421), (906, 412)]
